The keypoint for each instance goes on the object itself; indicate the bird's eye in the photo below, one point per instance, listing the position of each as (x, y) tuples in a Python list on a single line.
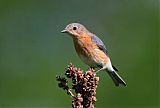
[(74, 28)]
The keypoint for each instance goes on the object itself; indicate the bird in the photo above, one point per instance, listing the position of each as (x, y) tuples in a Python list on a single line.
[(92, 51)]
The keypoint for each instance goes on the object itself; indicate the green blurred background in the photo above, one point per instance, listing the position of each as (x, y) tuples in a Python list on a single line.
[(33, 51)]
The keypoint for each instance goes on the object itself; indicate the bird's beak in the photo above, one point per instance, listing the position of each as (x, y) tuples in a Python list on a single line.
[(64, 31)]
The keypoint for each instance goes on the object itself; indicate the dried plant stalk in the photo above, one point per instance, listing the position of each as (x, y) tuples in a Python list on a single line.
[(84, 86)]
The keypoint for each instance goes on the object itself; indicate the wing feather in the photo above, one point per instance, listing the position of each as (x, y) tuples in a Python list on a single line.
[(99, 43)]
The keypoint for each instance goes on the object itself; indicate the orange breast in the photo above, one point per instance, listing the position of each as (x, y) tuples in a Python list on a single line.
[(89, 52)]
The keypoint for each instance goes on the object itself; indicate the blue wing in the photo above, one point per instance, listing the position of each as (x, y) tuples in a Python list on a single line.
[(99, 43)]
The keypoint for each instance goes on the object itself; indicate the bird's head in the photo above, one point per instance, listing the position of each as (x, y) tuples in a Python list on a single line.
[(76, 30)]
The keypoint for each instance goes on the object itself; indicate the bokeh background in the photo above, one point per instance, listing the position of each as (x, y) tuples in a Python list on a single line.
[(33, 51)]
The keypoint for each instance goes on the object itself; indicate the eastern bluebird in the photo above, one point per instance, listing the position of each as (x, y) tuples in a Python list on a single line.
[(92, 51)]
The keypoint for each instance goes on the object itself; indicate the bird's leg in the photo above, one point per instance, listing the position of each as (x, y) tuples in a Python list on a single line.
[(99, 70), (103, 68)]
